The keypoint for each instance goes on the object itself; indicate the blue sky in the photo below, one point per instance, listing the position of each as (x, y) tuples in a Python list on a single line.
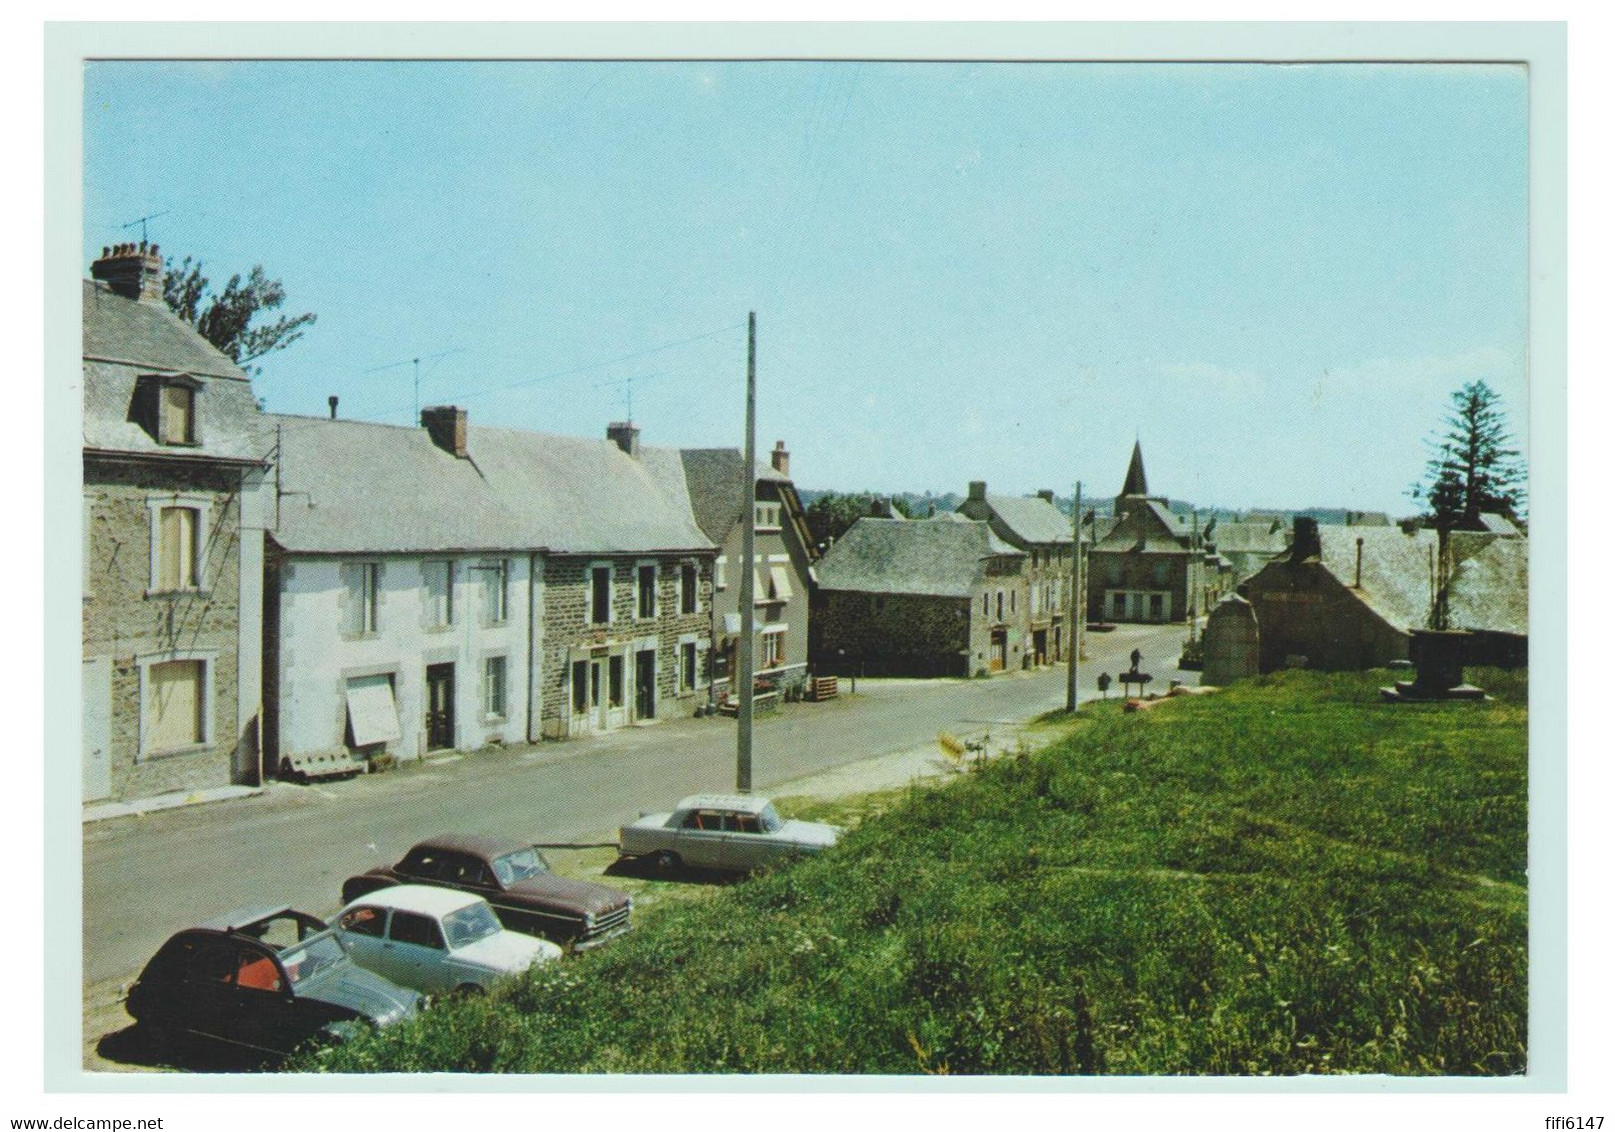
[(1274, 276)]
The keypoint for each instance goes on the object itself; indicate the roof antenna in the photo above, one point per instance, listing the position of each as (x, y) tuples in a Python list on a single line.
[(416, 362), (142, 222), (628, 390)]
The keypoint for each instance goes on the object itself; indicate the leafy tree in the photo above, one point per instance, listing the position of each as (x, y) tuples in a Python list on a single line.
[(225, 319), (1473, 470)]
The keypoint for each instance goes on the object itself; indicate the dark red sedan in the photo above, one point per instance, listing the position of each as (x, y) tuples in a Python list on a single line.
[(516, 880)]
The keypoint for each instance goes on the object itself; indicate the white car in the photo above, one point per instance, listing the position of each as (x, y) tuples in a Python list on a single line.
[(739, 832), (436, 940)]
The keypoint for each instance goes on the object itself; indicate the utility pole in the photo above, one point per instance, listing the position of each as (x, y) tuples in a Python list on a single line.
[(1072, 614), (748, 576)]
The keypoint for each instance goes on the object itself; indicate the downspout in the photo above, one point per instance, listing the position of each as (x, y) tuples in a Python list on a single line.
[(533, 731)]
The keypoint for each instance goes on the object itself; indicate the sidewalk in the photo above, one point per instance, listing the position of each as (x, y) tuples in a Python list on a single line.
[(100, 811)]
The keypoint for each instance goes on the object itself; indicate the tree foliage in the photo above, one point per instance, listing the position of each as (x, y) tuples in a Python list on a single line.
[(226, 318), (1473, 470), (829, 516)]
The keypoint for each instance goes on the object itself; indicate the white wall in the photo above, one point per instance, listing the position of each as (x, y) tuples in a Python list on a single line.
[(317, 659)]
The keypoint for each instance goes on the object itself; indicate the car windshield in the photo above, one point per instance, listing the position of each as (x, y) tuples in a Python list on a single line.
[(769, 819), (312, 957), (467, 925), (520, 865)]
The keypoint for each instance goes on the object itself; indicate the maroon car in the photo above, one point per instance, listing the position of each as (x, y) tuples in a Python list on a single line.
[(516, 880)]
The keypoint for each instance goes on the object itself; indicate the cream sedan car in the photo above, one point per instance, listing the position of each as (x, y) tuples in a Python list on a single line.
[(436, 940), (737, 832)]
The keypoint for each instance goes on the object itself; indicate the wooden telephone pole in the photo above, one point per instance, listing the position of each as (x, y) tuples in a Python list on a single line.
[(1074, 615), (748, 572)]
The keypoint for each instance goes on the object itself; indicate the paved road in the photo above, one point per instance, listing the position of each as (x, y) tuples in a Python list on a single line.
[(146, 876)]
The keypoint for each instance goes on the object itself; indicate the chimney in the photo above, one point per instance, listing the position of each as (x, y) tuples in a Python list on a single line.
[(134, 271), (781, 459), (978, 490), (626, 436), (332, 400), (1305, 543), (446, 426), (1046, 494)]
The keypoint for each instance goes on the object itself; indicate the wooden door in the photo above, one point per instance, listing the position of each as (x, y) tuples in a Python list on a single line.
[(439, 706), (645, 684)]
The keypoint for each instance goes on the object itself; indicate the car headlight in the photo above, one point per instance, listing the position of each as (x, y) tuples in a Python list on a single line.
[(588, 919)]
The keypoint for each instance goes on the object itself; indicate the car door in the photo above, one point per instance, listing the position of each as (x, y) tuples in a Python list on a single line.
[(749, 847), (198, 987), (417, 952), (266, 1014), (364, 932), (702, 841)]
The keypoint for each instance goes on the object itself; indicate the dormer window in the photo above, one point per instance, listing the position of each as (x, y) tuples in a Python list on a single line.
[(165, 406), (767, 516)]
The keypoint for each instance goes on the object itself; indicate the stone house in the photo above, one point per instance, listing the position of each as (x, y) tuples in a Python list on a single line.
[(1147, 563), (1349, 597), (172, 495), (943, 597), (784, 556), (1035, 526), (522, 586)]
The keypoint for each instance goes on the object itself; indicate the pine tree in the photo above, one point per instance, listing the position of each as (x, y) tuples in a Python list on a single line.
[(1474, 471)]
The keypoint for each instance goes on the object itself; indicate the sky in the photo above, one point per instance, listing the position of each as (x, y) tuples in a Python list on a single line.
[(1271, 276)]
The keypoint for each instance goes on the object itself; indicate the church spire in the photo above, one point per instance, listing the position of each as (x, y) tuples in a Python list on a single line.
[(1135, 484)]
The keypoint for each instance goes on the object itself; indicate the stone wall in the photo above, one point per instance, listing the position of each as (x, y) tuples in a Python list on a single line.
[(124, 622), (896, 635), (1304, 611), (1109, 570)]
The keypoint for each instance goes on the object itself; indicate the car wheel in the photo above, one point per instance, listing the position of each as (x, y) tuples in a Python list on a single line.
[(666, 862)]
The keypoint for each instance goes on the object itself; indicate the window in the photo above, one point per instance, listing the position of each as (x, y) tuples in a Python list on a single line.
[(721, 578), (687, 666), (773, 650), (767, 516), (1000, 605), (689, 589), (176, 419), (359, 613), (493, 687), (646, 576), (600, 595), (1012, 601), (175, 703), (176, 549), (495, 585), (986, 604), (411, 927), (439, 577), (364, 921)]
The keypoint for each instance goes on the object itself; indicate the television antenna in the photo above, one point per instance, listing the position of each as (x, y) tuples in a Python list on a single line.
[(142, 222), (416, 363), (627, 384)]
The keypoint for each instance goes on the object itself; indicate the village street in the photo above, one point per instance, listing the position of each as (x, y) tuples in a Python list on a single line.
[(145, 877)]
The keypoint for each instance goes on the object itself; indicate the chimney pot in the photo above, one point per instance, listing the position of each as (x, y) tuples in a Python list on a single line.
[(446, 425), (625, 434), (781, 459), (1305, 544), (130, 271)]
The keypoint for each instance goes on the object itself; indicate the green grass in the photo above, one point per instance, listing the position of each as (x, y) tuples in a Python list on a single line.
[(1287, 877)]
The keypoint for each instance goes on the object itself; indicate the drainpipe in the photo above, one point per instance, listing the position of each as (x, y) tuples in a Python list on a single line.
[(533, 730)]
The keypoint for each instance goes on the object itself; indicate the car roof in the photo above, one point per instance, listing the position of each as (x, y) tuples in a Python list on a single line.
[(244, 918), (472, 843), (419, 898), (745, 803)]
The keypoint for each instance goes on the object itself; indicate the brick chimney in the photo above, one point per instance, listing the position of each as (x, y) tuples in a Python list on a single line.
[(781, 459), (1046, 494), (134, 271), (625, 434), (978, 490), (446, 426)]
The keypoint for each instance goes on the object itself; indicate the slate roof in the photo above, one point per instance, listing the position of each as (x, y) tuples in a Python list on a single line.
[(1488, 589), (1135, 484), (1032, 520), (1148, 527), (712, 477), (1248, 538), (124, 340), (896, 556), (356, 487)]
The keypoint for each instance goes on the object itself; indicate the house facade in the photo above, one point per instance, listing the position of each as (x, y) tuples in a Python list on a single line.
[(1349, 597), (939, 597), (1147, 564), (172, 510), (1034, 526), (783, 560), (524, 586)]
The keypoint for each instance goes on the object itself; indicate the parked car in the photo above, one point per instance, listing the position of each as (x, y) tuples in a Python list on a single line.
[(270, 978), (722, 831), (436, 940), (516, 880)]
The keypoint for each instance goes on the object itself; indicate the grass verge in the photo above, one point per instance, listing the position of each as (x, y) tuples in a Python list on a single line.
[(1287, 877)]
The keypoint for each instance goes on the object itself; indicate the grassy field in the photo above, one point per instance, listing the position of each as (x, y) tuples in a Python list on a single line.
[(1286, 877)]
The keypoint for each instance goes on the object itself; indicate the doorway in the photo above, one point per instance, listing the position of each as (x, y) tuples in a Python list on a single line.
[(97, 728), (645, 684), (998, 651), (439, 706)]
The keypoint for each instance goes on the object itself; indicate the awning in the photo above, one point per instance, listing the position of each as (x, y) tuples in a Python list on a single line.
[(372, 713)]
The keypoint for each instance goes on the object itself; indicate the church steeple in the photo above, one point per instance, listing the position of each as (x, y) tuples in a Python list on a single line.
[(1135, 484)]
